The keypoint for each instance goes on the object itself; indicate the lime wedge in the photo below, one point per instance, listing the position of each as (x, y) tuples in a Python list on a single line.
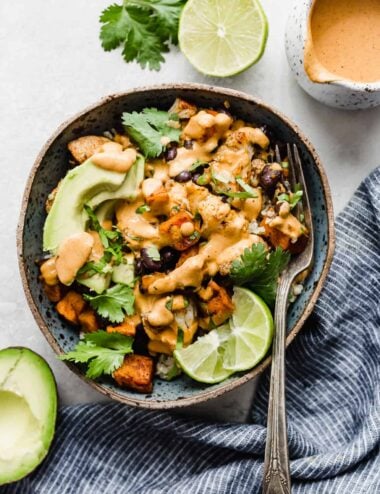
[(203, 360), (223, 37), (236, 346), (251, 332)]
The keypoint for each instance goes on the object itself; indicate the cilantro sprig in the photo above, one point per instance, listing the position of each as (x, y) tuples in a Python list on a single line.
[(149, 127), (112, 241), (144, 28), (259, 271), (102, 352), (114, 303)]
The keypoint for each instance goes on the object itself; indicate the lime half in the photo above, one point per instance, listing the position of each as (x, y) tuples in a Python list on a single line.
[(236, 346), (203, 360), (251, 332), (223, 37)]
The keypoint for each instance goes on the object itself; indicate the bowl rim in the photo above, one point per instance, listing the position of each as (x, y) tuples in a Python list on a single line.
[(205, 395)]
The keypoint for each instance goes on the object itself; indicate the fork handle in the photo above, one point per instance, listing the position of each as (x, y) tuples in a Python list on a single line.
[(276, 464)]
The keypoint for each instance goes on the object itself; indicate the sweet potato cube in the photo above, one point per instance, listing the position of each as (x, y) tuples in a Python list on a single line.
[(275, 237), (87, 319), (136, 373), (84, 147), (127, 327), (220, 307), (53, 292), (172, 228), (71, 306), (158, 201)]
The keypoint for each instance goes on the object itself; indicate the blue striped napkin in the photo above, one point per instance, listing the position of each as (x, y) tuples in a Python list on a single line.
[(333, 400)]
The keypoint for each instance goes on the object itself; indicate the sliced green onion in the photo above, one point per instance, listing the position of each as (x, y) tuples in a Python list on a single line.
[(283, 198), (144, 208), (203, 180), (247, 188)]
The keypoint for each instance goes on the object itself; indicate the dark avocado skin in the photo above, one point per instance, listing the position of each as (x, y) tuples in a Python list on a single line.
[(40, 369)]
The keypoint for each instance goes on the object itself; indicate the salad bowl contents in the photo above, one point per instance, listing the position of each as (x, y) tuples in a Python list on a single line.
[(162, 247)]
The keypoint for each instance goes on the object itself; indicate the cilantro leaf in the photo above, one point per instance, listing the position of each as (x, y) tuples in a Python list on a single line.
[(166, 14), (145, 28), (148, 127), (114, 303), (115, 26), (259, 271), (103, 352)]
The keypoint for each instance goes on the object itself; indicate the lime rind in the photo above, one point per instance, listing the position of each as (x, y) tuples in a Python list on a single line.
[(214, 39)]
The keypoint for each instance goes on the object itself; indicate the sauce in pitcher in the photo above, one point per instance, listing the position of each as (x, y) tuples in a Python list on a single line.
[(343, 41)]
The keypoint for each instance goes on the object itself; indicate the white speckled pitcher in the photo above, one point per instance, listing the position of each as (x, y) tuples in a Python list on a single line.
[(345, 94)]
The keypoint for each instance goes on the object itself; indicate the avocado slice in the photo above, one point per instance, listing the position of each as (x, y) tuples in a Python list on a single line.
[(86, 184), (28, 404), (106, 210), (128, 189)]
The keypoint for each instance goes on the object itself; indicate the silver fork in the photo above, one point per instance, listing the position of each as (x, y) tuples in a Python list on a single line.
[(276, 464)]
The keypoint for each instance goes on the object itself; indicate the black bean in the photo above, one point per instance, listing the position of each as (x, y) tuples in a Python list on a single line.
[(269, 178), (188, 144), (198, 169), (182, 177), (140, 342), (139, 267), (150, 264), (224, 198), (170, 153), (169, 257)]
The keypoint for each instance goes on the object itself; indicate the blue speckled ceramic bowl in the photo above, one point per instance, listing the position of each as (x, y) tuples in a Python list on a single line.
[(51, 165)]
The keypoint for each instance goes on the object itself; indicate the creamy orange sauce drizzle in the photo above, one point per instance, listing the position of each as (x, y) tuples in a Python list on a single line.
[(187, 157), (216, 254), (112, 156), (137, 227), (343, 41), (72, 254)]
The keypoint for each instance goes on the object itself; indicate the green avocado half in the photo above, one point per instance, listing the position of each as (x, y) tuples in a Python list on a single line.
[(86, 184), (28, 411)]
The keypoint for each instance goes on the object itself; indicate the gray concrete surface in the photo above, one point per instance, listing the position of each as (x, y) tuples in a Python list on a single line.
[(52, 65)]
